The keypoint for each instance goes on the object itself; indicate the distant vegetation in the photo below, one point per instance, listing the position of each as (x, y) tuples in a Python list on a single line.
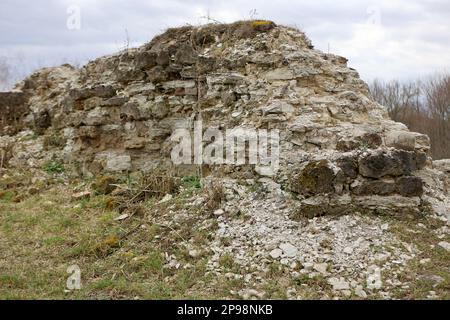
[(424, 106), (4, 74)]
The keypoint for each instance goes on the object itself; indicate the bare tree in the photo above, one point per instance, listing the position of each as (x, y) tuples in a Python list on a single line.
[(5, 73), (424, 106)]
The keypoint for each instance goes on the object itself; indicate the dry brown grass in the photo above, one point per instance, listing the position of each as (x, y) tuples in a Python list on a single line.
[(207, 34), (215, 195)]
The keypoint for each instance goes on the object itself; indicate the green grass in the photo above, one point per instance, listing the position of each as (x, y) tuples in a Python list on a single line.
[(54, 167), (192, 182), (7, 196), (44, 234)]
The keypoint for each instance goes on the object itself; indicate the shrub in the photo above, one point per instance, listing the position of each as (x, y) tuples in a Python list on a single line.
[(192, 182), (54, 167)]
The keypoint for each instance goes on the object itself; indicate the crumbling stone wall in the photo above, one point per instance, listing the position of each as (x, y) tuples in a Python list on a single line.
[(13, 108), (339, 149)]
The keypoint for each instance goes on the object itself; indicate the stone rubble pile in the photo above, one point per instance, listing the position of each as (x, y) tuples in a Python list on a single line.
[(339, 150)]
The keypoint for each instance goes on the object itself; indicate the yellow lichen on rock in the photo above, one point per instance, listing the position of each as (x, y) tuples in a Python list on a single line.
[(263, 25)]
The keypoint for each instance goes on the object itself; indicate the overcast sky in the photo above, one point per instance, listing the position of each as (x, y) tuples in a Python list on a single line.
[(381, 38)]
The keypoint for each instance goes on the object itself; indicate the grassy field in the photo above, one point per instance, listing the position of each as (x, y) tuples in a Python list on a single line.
[(43, 233)]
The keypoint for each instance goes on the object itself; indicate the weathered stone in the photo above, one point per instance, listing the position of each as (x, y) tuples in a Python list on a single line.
[(101, 91), (157, 74), (349, 166), (370, 140), (401, 140), (406, 140), (288, 249), (42, 120), (146, 60), (115, 101), (379, 187), (278, 107), (118, 163), (81, 195), (88, 132), (159, 108), (421, 159), (394, 205), (276, 253), (231, 78), (279, 74), (163, 58), (130, 112), (95, 117), (228, 98), (442, 165), (185, 55), (410, 186), (382, 163), (135, 143), (347, 145), (315, 178), (339, 284), (140, 87), (179, 84), (445, 245), (125, 74), (365, 141), (321, 268), (311, 207)]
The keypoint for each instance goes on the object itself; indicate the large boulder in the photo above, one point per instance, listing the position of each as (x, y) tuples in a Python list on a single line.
[(316, 177)]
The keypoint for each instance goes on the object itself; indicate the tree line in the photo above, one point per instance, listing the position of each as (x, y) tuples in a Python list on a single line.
[(423, 105)]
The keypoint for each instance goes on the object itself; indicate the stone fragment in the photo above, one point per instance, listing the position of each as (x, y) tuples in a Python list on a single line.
[(321, 268), (338, 283), (100, 91), (130, 112), (383, 163), (288, 249), (276, 253), (146, 60), (118, 163), (348, 250), (163, 58), (359, 291), (96, 117), (122, 217), (378, 187), (406, 140), (374, 279), (316, 178), (279, 74), (434, 280), (88, 132), (135, 143), (81, 195), (166, 198), (410, 186), (278, 107), (445, 245), (349, 166), (185, 55)]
